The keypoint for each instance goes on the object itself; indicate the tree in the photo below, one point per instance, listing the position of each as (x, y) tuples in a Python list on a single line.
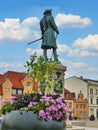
[(41, 71)]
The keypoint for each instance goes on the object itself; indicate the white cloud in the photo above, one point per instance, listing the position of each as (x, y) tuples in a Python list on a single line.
[(72, 21), (31, 21), (31, 51), (62, 48), (88, 53), (80, 69), (89, 42), (81, 53), (13, 29), (78, 65), (14, 66), (87, 46), (9, 65), (73, 52)]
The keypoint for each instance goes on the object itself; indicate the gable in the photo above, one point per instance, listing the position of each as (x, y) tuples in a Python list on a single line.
[(76, 80), (15, 78)]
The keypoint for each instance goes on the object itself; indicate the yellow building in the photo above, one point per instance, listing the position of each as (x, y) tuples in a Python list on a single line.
[(80, 107), (16, 83)]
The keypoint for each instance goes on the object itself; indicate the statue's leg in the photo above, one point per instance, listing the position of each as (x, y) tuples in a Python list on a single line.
[(55, 55), (45, 54)]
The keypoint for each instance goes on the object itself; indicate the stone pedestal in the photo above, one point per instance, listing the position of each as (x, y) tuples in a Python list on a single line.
[(60, 73), (61, 68), (58, 80)]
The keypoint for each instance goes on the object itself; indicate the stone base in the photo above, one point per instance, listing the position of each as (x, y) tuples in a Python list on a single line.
[(75, 129), (68, 124), (27, 120), (79, 123)]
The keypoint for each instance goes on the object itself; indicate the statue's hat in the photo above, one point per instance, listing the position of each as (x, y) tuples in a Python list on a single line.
[(47, 11)]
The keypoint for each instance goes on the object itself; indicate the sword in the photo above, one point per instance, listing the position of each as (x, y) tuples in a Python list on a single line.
[(34, 41)]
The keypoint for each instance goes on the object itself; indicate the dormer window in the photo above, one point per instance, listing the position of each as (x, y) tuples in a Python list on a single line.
[(7, 90), (66, 95), (28, 84)]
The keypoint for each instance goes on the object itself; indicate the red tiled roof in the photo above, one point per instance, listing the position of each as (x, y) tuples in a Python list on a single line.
[(66, 90), (70, 95), (15, 78), (1, 90), (1, 81)]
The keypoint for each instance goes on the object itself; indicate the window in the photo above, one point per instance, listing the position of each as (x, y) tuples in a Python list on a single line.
[(91, 100), (80, 113), (80, 105), (70, 105), (84, 106), (91, 91), (91, 111), (96, 91), (67, 95), (84, 114), (17, 91), (7, 90), (97, 101), (76, 105), (97, 113), (13, 91), (20, 92), (28, 83)]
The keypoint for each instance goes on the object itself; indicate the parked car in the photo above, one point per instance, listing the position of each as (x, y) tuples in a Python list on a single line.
[(92, 118)]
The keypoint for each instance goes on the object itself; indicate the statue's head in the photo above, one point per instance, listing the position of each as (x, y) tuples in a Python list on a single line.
[(47, 11)]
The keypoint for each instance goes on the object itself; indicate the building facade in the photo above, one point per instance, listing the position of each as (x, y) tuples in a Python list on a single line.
[(16, 83), (69, 99), (89, 88), (80, 107)]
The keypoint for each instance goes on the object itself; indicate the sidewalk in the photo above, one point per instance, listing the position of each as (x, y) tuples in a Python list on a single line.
[(81, 128), (92, 123), (83, 125), (86, 128)]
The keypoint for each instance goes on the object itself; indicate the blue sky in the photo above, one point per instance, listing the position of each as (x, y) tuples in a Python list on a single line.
[(77, 42)]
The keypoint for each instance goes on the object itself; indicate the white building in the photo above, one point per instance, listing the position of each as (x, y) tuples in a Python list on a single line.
[(88, 87)]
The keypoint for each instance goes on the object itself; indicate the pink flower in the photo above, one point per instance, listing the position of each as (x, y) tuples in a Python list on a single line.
[(47, 113), (30, 104), (63, 105), (53, 101), (12, 97), (49, 118), (34, 103), (48, 109), (42, 113), (58, 115), (65, 108), (59, 100), (53, 108), (47, 99), (3, 103), (59, 106), (42, 100), (11, 102)]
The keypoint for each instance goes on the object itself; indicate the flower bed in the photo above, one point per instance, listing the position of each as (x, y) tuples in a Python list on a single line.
[(49, 107), (32, 111)]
